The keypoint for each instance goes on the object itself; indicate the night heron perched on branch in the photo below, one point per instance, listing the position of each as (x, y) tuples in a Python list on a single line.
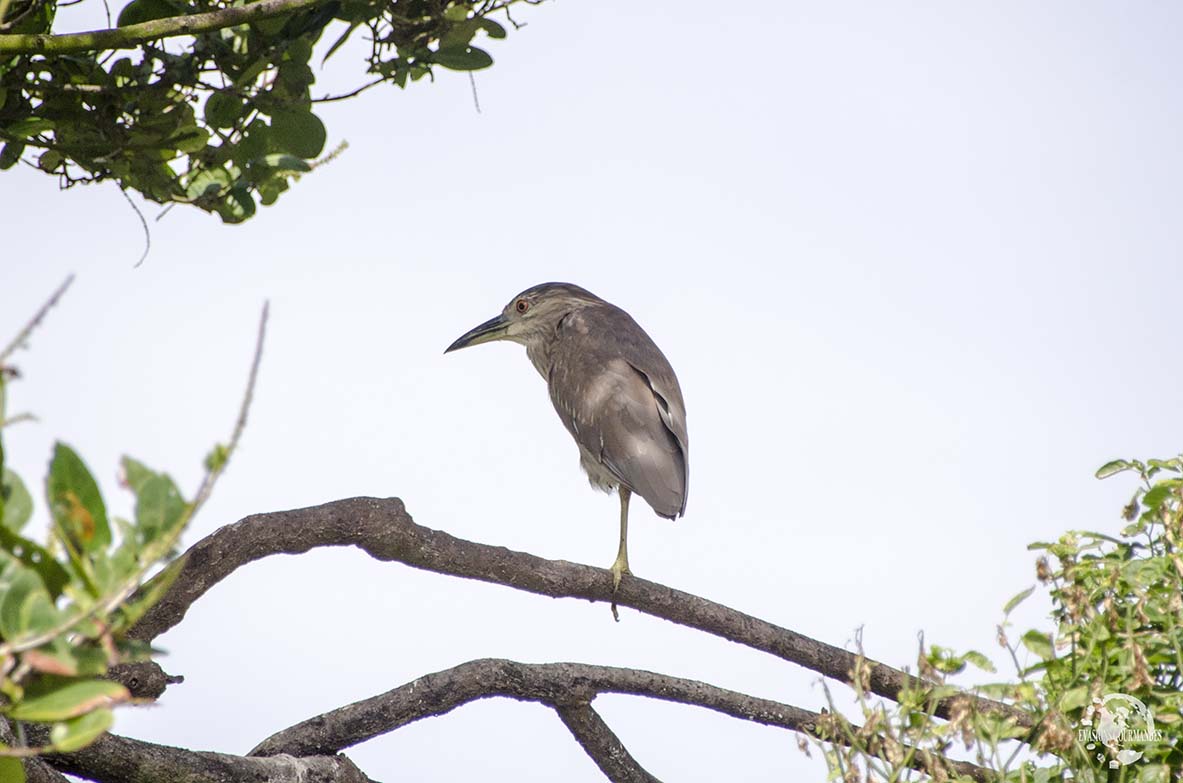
[(614, 390)]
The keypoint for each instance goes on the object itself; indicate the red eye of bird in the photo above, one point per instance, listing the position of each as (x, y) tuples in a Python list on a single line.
[(523, 305)]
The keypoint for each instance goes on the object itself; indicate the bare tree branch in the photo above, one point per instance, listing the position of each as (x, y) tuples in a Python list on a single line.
[(116, 759), (602, 744), (133, 35), (559, 685), (384, 530)]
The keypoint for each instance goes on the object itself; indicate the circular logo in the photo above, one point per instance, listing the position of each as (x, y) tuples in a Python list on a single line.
[(1113, 725)]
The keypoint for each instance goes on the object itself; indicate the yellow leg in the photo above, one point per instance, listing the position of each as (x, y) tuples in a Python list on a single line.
[(620, 567)]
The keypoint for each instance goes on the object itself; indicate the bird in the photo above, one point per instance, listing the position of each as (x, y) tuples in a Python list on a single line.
[(614, 391)]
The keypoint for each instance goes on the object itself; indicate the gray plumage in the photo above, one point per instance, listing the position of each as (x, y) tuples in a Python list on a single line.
[(613, 389)]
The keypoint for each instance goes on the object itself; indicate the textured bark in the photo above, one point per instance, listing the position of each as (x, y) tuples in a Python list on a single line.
[(567, 687), (383, 529), (36, 769), (115, 759), (602, 745), (307, 751)]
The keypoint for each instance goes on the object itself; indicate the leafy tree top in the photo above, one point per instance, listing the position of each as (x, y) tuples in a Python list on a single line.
[(208, 102)]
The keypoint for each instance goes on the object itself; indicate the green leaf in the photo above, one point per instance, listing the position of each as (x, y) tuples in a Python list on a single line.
[(1157, 494), (49, 160), (25, 605), (18, 504), (456, 13), (269, 190), (135, 473), (462, 58), (238, 205), (30, 126), (77, 733), (216, 459), (1075, 698), (272, 26), (979, 660), (69, 700), (12, 770), (1113, 468), (38, 558), (283, 162), (208, 182), (494, 29), (75, 501), (223, 109), (159, 508), (147, 10), (1040, 644), (10, 154), (299, 132), (190, 139), (1018, 599)]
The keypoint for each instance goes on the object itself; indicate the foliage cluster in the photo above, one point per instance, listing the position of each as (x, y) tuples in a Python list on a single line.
[(1117, 609), (222, 120), (67, 604)]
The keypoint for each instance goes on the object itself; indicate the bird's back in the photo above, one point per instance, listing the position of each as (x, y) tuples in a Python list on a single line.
[(619, 398)]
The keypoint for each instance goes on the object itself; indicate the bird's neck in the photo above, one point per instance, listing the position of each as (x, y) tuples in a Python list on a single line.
[(539, 353)]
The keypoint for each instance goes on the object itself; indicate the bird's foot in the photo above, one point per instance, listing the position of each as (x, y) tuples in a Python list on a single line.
[(618, 569)]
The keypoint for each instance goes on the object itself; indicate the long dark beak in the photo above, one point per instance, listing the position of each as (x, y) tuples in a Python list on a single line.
[(493, 329)]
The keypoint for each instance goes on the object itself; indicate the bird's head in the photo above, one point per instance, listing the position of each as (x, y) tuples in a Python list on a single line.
[(531, 315)]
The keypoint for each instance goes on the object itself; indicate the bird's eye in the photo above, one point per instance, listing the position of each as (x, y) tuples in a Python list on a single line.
[(522, 306)]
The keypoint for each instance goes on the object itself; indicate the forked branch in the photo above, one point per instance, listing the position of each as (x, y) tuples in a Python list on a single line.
[(569, 688)]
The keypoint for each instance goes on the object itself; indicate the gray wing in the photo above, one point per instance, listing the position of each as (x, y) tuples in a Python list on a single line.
[(619, 398)]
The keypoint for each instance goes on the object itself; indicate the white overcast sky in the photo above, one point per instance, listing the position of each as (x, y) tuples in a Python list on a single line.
[(916, 265)]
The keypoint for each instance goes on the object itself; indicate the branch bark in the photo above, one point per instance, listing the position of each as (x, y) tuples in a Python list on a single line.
[(115, 758), (136, 34), (36, 769), (567, 687), (384, 530), (602, 745)]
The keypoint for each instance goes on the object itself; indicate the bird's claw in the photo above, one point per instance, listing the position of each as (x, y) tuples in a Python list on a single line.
[(618, 569)]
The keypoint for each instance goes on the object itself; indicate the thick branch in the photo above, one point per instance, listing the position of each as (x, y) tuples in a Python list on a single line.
[(169, 27), (36, 770), (115, 758), (559, 685), (384, 530), (602, 745)]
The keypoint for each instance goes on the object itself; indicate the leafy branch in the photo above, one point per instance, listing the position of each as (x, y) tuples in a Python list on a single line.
[(212, 107), (135, 35), (66, 607)]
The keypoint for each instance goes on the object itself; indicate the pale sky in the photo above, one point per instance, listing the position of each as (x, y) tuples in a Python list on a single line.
[(917, 269)]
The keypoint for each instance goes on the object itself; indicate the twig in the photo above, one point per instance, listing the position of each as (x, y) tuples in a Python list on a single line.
[(384, 530), (136, 34), (476, 101), (108, 605), (38, 317), (211, 475), (344, 96), (139, 214)]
